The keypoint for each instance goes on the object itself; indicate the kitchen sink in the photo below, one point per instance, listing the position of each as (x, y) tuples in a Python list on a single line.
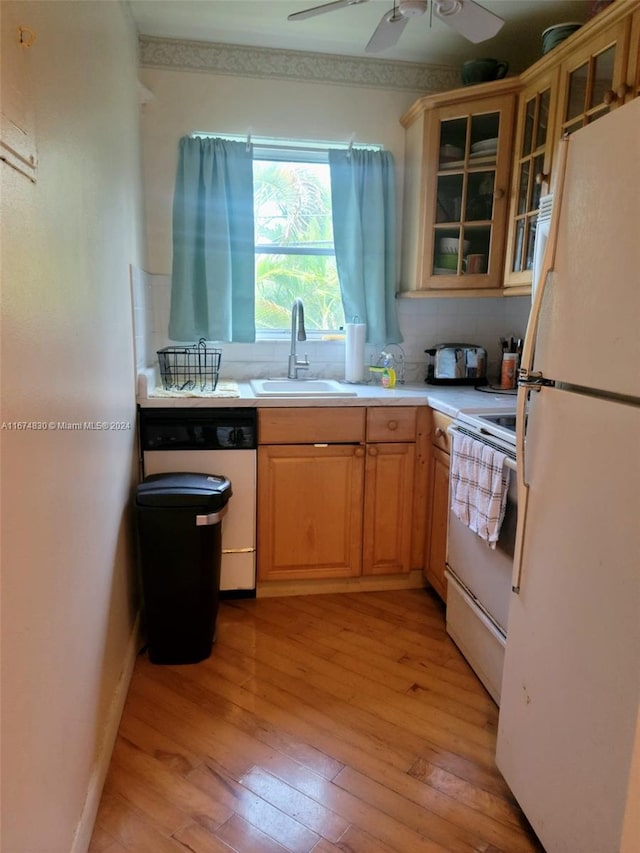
[(300, 388)]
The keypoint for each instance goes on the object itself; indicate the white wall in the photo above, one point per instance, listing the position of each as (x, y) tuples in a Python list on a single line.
[(186, 101), (423, 323), (67, 356)]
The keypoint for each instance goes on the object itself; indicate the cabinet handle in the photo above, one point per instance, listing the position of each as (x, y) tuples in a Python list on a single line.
[(439, 432), (498, 194), (622, 91), (373, 451), (541, 178), (359, 452), (614, 96), (392, 425)]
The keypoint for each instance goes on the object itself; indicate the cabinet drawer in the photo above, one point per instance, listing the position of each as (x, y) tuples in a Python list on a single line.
[(439, 436), (391, 423), (312, 425)]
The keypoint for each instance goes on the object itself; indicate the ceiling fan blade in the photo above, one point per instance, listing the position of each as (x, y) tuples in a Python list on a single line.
[(387, 32), (320, 10), (468, 18)]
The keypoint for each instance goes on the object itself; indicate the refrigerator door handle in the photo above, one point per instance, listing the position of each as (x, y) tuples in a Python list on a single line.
[(528, 379), (523, 487)]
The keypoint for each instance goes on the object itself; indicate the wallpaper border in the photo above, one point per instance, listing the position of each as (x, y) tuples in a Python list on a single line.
[(239, 60)]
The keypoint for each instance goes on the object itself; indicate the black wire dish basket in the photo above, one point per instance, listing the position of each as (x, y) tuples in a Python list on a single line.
[(184, 368)]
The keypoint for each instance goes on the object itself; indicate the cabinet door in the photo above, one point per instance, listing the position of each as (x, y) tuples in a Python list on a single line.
[(470, 145), (633, 73), (391, 423), (533, 150), (591, 78), (310, 511), (437, 550), (388, 504), (311, 425)]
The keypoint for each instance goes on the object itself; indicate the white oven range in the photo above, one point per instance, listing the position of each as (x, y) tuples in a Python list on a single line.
[(479, 577)]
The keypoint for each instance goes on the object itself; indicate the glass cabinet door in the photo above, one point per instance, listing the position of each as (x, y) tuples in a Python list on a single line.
[(469, 196), (594, 81), (530, 177)]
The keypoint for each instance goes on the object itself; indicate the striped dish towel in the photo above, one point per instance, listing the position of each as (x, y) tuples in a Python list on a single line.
[(479, 486), (223, 389)]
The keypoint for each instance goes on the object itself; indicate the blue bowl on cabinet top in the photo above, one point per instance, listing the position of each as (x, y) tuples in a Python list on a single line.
[(552, 36)]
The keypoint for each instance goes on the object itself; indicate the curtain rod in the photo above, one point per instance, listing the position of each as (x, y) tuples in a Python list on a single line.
[(278, 145)]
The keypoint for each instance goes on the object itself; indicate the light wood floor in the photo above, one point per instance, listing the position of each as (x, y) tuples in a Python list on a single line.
[(321, 723)]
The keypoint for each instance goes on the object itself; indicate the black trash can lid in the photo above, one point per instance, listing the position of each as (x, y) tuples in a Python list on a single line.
[(208, 492)]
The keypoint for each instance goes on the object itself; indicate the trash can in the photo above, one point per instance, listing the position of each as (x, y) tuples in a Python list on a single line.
[(179, 533)]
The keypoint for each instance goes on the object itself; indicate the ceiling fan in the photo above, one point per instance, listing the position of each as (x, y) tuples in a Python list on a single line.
[(467, 17)]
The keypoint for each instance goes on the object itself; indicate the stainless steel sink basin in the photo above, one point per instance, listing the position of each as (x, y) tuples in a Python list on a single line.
[(300, 388)]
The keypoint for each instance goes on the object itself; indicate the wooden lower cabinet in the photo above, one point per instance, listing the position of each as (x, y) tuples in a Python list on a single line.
[(310, 511), (389, 473), (336, 510), (436, 554)]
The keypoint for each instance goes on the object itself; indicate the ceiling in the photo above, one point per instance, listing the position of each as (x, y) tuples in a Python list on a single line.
[(346, 31)]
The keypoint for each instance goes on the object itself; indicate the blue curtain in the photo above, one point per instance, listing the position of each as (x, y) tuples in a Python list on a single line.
[(213, 275), (364, 234)]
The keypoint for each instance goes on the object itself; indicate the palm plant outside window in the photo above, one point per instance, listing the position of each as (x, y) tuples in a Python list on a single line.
[(295, 255)]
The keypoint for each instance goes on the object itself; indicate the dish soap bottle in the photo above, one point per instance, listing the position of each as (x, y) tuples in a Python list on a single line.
[(388, 378)]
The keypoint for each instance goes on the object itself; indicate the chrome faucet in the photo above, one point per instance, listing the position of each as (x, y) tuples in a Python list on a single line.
[(297, 333)]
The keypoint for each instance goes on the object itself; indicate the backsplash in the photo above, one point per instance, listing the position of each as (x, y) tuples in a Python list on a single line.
[(423, 323)]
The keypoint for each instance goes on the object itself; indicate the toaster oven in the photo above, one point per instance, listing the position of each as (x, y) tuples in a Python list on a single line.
[(456, 364)]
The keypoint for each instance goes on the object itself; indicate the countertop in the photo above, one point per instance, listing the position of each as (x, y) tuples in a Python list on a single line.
[(448, 400)]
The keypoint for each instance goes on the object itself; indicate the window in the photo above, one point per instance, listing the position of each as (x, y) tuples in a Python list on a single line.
[(289, 186), (295, 255)]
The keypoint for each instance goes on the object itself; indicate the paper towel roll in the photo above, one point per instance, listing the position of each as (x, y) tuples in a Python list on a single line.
[(354, 351)]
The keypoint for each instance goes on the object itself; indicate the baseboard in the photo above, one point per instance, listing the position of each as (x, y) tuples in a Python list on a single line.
[(371, 583), (87, 820)]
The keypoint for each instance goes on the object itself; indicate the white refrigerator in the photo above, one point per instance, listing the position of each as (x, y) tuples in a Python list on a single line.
[(569, 727)]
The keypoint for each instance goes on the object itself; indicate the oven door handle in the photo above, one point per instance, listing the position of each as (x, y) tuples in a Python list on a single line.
[(508, 462)]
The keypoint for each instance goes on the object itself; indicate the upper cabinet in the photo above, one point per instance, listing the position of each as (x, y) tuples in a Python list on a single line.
[(473, 186), (593, 77), (456, 189), (594, 71), (532, 152)]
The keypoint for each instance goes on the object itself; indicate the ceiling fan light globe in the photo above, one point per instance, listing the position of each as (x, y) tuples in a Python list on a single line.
[(447, 7), (412, 8)]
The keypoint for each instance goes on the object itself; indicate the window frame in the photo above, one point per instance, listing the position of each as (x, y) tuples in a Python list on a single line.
[(291, 151)]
